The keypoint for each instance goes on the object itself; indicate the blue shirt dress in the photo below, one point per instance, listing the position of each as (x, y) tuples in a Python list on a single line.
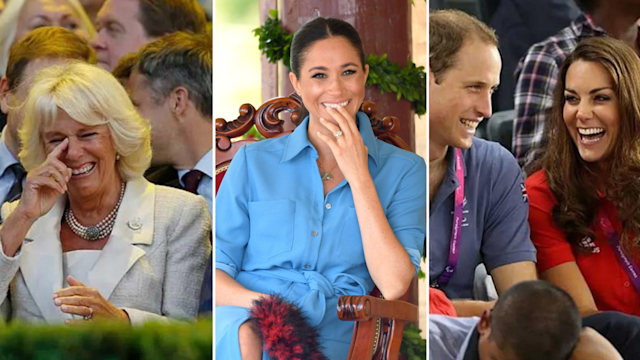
[(277, 233)]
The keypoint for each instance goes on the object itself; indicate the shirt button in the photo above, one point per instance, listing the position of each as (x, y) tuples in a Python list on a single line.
[(307, 266), (627, 284), (314, 233), (328, 206)]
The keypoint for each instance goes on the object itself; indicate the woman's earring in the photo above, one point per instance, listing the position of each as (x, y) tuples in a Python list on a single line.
[(117, 157)]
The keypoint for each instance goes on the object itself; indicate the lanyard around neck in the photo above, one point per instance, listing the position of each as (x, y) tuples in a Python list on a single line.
[(456, 226), (627, 264)]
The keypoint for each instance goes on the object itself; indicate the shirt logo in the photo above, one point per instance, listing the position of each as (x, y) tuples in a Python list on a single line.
[(588, 244)]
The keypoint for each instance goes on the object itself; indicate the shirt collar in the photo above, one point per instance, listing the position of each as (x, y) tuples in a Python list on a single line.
[(6, 157), (583, 26), (205, 164), (451, 158), (298, 140)]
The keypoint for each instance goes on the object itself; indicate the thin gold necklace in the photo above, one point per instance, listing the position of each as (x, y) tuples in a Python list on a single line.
[(327, 175)]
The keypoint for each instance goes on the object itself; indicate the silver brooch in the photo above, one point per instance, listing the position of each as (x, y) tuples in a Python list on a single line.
[(134, 224)]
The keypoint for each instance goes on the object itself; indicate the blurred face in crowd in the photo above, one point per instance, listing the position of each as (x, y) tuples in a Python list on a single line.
[(591, 110), (157, 112), (39, 13), (119, 32), (461, 97)]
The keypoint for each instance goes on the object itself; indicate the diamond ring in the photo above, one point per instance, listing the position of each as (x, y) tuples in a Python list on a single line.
[(338, 133)]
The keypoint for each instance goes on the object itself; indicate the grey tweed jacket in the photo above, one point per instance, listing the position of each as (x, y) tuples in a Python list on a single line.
[(152, 265)]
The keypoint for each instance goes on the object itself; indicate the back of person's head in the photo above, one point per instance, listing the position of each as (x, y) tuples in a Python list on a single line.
[(46, 42), (319, 29), (179, 59), (159, 17), (448, 32), (536, 320), (125, 66)]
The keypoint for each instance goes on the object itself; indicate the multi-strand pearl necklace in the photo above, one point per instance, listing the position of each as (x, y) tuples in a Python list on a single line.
[(98, 231)]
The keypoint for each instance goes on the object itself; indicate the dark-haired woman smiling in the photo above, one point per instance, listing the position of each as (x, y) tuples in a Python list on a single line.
[(323, 212), (584, 213)]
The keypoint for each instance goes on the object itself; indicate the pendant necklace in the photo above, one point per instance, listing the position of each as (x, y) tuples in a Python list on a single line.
[(327, 175)]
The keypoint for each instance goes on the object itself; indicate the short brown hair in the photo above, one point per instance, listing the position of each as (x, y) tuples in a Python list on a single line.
[(125, 66), (448, 30), (46, 42), (179, 59), (159, 17)]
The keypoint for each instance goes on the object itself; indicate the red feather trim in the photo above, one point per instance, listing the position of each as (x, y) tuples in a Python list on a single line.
[(286, 334)]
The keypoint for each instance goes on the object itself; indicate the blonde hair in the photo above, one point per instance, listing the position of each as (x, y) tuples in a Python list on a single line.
[(91, 96), (9, 25)]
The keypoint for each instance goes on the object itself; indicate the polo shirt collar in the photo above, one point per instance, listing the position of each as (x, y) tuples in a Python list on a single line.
[(298, 140), (451, 158)]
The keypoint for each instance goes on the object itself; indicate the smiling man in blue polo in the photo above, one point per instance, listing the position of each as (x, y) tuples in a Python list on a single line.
[(478, 205)]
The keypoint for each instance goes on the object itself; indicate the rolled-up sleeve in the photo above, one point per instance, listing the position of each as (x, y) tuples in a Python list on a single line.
[(232, 216), (406, 211)]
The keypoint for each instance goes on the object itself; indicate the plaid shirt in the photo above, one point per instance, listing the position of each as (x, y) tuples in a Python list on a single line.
[(537, 73)]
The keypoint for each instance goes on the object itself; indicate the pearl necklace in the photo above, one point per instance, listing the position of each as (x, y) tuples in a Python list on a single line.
[(98, 231)]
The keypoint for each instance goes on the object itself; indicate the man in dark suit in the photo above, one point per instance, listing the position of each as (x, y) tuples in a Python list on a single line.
[(170, 84)]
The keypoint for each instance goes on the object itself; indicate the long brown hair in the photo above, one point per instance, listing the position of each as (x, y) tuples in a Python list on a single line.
[(574, 181)]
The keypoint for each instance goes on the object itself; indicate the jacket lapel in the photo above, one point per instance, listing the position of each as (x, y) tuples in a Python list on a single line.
[(132, 227), (41, 262)]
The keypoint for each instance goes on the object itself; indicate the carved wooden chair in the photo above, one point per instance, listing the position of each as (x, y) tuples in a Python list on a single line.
[(378, 323)]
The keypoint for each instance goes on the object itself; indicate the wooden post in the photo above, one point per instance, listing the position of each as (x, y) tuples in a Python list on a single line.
[(269, 70)]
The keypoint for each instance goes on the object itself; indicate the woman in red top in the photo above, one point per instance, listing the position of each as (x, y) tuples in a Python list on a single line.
[(585, 195)]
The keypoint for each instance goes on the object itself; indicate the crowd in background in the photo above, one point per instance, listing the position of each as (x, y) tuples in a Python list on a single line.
[(127, 124)]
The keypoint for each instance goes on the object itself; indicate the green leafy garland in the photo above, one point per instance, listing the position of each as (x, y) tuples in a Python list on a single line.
[(409, 82), (413, 345)]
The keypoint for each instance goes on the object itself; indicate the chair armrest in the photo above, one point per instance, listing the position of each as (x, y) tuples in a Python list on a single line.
[(378, 325), (365, 307)]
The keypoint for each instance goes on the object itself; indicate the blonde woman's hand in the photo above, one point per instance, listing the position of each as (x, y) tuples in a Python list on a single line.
[(45, 184), (81, 300), (346, 144)]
